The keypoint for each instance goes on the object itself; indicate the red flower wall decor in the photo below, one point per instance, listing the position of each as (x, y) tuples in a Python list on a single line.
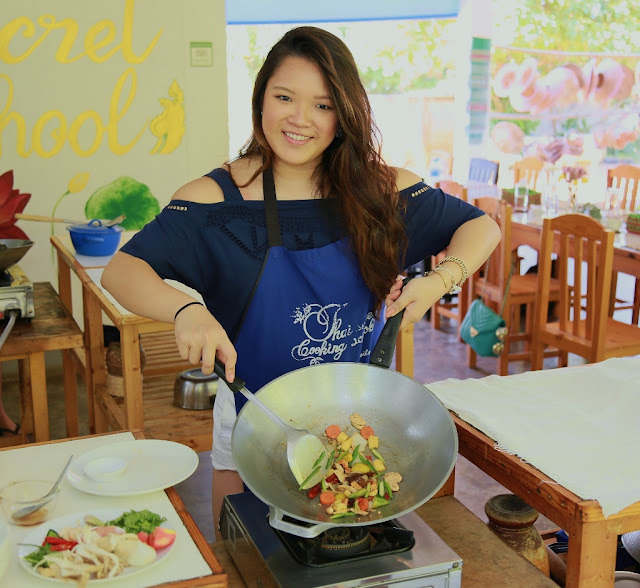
[(11, 201)]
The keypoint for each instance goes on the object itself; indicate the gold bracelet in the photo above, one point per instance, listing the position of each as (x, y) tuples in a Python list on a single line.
[(461, 264), (446, 269), (430, 272)]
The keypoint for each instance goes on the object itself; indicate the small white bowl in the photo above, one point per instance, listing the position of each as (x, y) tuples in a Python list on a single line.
[(105, 469)]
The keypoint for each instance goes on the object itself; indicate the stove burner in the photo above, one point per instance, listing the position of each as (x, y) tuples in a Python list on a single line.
[(348, 543), (341, 542)]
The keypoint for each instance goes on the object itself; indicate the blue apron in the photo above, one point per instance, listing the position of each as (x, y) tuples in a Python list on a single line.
[(307, 307)]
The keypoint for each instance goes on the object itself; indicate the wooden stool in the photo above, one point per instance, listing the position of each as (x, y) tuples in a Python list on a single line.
[(52, 329)]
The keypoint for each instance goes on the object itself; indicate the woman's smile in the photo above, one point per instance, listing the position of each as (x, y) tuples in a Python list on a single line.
[(296, 138), (298, 116)]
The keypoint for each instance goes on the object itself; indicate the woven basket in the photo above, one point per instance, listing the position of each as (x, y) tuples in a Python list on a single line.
[(113, 360)]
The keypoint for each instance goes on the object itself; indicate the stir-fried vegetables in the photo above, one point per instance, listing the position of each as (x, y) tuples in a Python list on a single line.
[(357, 481), (95, 550)]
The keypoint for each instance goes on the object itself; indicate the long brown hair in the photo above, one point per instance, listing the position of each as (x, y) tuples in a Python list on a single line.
[(352, 167)]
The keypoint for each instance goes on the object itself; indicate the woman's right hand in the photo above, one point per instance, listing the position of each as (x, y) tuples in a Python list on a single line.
[(200, 337)]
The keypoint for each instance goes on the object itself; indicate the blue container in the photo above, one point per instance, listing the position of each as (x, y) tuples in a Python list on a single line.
[(94, 239)]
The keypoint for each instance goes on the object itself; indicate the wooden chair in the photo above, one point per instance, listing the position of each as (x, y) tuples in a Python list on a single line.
[(584, 258), (527, 169), (453, 188), (483, 171), (626, 178), (490, 283), (453, 307)]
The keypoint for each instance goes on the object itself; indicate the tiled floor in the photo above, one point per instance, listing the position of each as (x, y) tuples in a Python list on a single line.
[(438, 355)]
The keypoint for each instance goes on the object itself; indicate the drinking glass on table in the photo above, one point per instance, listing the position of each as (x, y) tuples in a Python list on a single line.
[(613, 213), (521, 198), (613, 201), (550, 202)]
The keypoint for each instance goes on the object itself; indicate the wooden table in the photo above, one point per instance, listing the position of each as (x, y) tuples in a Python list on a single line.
[(194, 428), (552, 402), (625, 259), (192, 565), (52, 329), (593, 539)]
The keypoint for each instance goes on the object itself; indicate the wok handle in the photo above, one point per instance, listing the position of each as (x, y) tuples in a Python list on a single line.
[(236, 385), (382, 353)]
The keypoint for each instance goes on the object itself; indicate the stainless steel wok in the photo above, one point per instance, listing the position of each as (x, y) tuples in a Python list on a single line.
[(417, 435)]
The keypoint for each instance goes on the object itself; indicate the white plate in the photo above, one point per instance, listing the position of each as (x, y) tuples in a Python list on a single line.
[(152, 464), (37, 535)]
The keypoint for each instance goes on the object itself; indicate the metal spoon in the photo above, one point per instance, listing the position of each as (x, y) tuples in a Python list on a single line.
[(306, 453), (28, 510)]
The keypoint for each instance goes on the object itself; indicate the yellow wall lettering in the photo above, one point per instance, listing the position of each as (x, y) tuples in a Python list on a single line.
[(127, 36), (8, 31), (115, 116), (91, 44), (76, 125), (63, 132), (6, 117), (70, 27), (58, 135), (92, 41)]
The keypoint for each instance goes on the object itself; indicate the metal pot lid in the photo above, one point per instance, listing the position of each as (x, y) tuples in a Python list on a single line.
[(196, 375)]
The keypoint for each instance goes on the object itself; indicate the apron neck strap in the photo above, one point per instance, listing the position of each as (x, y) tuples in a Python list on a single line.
[(271, 208)]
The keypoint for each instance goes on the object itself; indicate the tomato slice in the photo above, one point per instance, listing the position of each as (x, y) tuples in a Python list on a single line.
[(161, 538), (59, 544)]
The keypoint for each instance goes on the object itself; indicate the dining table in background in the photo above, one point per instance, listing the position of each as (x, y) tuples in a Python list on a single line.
[(159, 418), (626, 250), (190, 564)]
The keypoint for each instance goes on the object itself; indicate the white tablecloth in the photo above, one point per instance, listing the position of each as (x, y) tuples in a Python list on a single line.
[(45, 462), (580, 426)]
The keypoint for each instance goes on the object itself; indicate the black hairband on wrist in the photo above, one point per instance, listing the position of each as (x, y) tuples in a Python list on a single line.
[(175, 316)]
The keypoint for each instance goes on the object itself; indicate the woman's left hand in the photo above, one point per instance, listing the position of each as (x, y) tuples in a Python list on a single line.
[(417, 296)]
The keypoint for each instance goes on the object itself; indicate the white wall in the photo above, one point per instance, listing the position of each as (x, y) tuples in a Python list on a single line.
[(81, 85)]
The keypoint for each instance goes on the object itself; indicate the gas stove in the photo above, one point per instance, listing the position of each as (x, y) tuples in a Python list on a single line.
[(16, 292), (404, 552)]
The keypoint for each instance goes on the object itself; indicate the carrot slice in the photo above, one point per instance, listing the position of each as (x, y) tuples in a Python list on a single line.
[(327, 498), (366, 431), (332, 431)]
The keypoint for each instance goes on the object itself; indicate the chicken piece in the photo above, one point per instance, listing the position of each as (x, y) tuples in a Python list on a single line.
[(393, 479), (340, 507), (357, 421)]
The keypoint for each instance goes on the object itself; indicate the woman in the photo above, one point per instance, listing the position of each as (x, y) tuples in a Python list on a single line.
[(302, 279)]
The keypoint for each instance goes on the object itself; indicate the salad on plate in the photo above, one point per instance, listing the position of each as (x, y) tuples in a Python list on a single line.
[(86, 548)]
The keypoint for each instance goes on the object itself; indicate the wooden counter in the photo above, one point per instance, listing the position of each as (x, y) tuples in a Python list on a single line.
[(52, 329), (147, 402)]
